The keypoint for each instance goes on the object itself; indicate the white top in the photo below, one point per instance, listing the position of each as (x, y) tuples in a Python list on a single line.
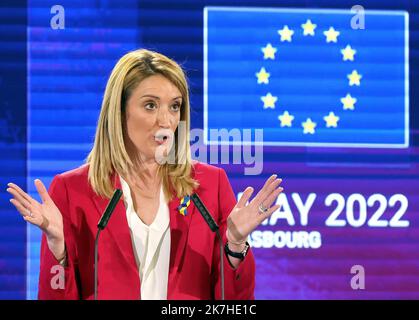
[(151, 246)]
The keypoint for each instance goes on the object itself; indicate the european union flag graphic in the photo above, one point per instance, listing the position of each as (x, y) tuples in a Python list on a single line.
[(307, 77)]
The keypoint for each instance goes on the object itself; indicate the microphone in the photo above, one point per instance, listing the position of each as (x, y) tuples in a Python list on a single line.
[(214, 228), (102, 224), (109, 209)]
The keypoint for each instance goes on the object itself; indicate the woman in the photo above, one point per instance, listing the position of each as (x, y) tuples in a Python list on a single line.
[(156, 245)]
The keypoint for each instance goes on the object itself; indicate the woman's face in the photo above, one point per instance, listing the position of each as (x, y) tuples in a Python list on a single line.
[(152, 116)]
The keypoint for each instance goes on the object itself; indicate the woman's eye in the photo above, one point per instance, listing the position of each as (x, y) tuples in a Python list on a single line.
[(176, 107), (150, 106)]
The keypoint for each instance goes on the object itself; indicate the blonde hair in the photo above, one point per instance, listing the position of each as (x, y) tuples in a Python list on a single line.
[(109, 154)]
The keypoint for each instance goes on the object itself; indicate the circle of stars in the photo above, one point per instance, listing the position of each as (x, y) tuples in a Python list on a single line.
[(269, 53)]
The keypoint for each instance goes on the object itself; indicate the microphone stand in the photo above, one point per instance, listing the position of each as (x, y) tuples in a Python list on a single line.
[(214, 228), (96, 249)]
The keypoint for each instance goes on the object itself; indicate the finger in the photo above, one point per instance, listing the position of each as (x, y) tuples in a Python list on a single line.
[(262, 217), (265, 191), (18, 197), (271, 188), (22, 210), (245, 197), (272, 197), (20, 191), (267, 183), (34, 219), (43, 193)]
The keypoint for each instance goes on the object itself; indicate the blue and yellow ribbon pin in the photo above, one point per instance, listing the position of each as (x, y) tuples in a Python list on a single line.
[(184, 204)]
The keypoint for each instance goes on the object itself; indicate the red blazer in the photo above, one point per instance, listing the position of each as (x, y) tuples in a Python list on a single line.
[(194, 257)]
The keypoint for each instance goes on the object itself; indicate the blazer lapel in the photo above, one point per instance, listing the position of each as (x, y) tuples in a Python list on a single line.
[(118, 225)]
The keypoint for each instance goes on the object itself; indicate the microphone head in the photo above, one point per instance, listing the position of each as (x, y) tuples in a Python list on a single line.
[(204, 212), (109, 209)]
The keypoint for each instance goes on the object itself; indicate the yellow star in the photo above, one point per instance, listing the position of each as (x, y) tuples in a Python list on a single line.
[(331, 35), (348, 53), (286, 119), (269, 52), (331, 120), (269, 101), (309, 126), (263, 76), (309, 28), (348, 102), (285, 34), (354, 78)]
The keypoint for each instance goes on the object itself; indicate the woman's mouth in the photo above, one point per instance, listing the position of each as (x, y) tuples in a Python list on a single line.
[(160, 139), (163, 136)]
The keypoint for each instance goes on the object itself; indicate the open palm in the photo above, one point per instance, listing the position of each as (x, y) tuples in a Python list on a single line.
[(44, 215), (245, 217)]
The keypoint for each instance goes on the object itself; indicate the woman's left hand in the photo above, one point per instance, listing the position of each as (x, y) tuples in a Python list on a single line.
[(244, 218)]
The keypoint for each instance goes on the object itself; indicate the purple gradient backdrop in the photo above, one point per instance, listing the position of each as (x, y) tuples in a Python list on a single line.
[(389, 255)]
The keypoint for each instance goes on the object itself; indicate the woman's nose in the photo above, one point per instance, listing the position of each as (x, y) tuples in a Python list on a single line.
[(163, 118)]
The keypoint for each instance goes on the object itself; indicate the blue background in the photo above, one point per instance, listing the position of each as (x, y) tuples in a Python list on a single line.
[(308, 75)]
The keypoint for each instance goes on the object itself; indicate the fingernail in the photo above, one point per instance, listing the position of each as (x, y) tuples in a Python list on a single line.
[(274, 175)]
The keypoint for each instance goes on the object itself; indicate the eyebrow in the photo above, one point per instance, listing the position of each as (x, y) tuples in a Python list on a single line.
[(157, 98)]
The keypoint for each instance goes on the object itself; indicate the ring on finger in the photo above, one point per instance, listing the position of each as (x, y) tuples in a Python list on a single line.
[(262, 209)]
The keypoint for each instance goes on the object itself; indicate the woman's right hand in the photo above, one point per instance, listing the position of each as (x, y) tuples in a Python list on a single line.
[(46, 216)]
